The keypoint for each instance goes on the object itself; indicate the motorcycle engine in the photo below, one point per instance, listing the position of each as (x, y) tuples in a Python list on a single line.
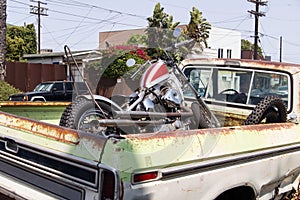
[(161, 99)]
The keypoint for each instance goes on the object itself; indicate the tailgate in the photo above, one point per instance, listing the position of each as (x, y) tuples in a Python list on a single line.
[(44, 161)]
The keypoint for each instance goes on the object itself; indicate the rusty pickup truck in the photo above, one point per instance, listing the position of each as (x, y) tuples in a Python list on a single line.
[(255, 154)]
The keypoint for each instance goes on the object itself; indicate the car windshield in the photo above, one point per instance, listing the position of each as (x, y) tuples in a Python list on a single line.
[(43, 87)]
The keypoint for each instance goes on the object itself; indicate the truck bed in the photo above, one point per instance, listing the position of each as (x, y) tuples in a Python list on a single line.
[(44, 111), (62, 163)]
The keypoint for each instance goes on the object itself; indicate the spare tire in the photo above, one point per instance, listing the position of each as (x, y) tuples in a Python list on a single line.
[(271, 108)]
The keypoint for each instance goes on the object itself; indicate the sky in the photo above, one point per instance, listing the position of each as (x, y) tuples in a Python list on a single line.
[(78, 23)]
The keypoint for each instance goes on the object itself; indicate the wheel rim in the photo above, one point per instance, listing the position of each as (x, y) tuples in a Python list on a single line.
[(88, 122)]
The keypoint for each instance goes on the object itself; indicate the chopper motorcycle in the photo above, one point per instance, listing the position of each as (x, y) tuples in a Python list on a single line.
[(158, 104)]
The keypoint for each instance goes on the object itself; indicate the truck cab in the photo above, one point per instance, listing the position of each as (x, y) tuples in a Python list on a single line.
[(232, 88)]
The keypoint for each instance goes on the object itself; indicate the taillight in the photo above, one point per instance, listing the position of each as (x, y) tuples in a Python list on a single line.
[(144, 177), (108, 185)]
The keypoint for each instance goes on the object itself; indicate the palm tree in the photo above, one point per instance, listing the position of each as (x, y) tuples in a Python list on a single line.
[(2, 39), (198, 28), (159, 31)]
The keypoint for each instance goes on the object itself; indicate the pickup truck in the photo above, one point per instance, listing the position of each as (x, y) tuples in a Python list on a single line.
[(255, 154), (52, 91)]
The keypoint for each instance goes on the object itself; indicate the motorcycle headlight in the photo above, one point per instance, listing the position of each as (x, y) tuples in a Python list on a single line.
[(173, 98)]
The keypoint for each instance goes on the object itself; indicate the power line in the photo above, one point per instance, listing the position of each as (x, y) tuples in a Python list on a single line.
[(77, 26), (20, 2), (235, 19), (77, 3), (53, 38), (262, 34), (92, 18), (20, 20), (64, 30), (84, 38)]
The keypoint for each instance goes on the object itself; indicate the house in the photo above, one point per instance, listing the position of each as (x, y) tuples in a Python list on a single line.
[(79, 57), (222, 43), (45, 58)]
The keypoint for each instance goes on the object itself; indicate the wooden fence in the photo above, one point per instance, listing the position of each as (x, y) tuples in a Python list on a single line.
[(25, 76)]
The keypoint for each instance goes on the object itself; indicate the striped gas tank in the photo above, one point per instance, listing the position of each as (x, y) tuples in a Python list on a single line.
[(155, 74)]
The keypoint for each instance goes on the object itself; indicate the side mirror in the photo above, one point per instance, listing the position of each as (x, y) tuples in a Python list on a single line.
[(177, 32), (130, 62)]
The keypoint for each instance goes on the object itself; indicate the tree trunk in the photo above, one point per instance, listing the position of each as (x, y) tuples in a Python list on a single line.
[(2, 39)]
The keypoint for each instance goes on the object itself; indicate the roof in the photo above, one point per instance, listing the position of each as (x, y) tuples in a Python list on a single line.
[(57, 54), (289, 67), (42, 55), (59, 57)]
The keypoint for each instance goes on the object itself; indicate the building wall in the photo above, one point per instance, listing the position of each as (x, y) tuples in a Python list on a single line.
[(225, 39), (45, 58), (111, 38), (220, 38)]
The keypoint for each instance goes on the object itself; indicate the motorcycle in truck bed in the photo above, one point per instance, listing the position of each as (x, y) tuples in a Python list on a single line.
[(206, 129)]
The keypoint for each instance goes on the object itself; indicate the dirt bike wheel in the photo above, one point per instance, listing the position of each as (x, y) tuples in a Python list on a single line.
[(82, 114), (271, 108)]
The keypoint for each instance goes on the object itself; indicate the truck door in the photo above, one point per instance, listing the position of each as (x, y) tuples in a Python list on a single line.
[(57, 93), (69, 91)]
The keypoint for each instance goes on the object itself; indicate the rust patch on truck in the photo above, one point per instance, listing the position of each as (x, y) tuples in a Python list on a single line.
[(40, 128), (24, 103), (220, 131)]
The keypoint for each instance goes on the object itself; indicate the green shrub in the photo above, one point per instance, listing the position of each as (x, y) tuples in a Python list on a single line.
[(113, 62), (6, 90)]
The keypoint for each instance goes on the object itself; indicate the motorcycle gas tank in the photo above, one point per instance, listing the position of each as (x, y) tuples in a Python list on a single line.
[(155, 74)]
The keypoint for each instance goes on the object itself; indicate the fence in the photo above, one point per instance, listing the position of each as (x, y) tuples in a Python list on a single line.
[(25, 76)]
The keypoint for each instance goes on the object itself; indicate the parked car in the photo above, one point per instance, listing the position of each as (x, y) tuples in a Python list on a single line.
[(52, 91)]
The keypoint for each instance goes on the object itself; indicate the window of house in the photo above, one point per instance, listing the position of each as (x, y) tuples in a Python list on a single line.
[(229, 52), (220, 53)]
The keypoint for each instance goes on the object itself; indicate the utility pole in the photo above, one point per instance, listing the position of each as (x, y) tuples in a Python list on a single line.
[(280, 49), (257, 14), (38, 10)]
